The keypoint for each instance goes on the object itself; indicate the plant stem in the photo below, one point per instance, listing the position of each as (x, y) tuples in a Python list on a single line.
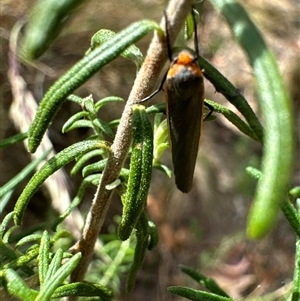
[(296, 285), (143, 86)]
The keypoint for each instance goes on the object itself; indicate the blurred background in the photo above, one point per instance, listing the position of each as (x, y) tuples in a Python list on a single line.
[(204, 229)]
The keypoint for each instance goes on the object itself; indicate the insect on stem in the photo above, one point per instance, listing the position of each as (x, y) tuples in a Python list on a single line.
[(184, 108)]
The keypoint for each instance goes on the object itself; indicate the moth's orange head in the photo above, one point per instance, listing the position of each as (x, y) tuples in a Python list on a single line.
[(185, 58)]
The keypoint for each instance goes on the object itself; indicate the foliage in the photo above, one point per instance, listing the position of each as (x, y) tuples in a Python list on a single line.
[(36, 268)]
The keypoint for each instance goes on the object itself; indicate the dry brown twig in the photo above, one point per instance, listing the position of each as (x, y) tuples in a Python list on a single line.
[(143, 86)]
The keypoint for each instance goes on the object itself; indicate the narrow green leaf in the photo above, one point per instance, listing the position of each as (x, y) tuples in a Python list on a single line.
[(54, 264), (157, 108), (103, 127), (75, 98), (16, 180), (46, 20), (296, 279), (4, 224), (82, 123), (140, 171), (189, 24), (6, 251), (164, 168), (291, 215), (233, 118), (295, 192), (195, 295), (49, 287), (286, 206), (84, 289), (93, 168), (160, 149), (13, 140), (88, 105), (110, 99), (17, 287), (131, 212), (82, 161), (208, 283), (132, 52), (153, 235), (22, 261), (68, 126), (5, 200), (124, 174), (121, 249), (44, 257), (253, 172), (113, 185), (142, 239), (276, 107), (96, 180), (8, 233), (29, 238), (55, 163), (82, 71), (62, 234), (161, 140), (233, 95)]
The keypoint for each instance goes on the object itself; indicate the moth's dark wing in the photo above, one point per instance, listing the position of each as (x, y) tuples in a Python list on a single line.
[(185, 115)]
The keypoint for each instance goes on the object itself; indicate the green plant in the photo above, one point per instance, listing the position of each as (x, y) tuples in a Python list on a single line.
[(47, 268)]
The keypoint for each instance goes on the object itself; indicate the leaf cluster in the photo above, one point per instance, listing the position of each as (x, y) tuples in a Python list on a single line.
[(46, 271)]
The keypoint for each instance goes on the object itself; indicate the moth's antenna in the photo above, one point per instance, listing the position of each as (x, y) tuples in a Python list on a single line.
[(168, 36), (195, 33)]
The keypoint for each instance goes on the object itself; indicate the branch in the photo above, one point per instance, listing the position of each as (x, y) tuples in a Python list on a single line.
[(143, 86)]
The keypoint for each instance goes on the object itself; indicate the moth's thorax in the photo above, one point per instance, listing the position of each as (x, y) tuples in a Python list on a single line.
[(184, 61)]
